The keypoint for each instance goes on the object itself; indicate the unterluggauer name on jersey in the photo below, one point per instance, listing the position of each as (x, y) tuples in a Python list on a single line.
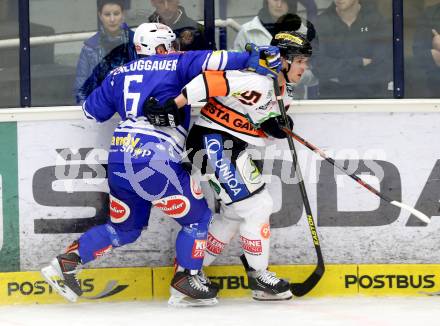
[(141, 65)]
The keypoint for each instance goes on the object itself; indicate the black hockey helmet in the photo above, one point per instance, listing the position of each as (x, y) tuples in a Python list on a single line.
[(292, 44)]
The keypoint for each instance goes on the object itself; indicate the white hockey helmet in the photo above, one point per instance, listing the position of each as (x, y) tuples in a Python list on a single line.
[(149, 36)]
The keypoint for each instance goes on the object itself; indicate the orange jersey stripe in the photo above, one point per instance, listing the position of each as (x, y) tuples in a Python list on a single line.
[(229, 119), (216, 83)]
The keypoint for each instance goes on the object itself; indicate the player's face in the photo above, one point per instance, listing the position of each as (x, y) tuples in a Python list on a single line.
[(111, 17), (160, 49), (297, 68), (277, 8)]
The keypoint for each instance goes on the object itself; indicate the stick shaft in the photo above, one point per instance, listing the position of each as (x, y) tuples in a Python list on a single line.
[(300, 289), (321, 153)]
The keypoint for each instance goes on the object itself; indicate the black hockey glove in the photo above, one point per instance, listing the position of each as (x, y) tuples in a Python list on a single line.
[(288, 125), (274, 127), (167, 115)]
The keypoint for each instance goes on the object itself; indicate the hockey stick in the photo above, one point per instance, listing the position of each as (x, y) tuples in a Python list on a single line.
[(300, 289), (318, 151)]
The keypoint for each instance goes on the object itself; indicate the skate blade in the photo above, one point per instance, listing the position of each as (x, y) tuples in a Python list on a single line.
[(263, 296), (190, 302), (51, 274), (178, 299)]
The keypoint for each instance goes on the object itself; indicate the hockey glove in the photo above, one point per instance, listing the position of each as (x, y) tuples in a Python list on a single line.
[(167, 115), (274, 127), (283, 124), (264, 60)]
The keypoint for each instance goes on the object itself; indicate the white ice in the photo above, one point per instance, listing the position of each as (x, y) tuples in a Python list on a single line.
[(354, 311)]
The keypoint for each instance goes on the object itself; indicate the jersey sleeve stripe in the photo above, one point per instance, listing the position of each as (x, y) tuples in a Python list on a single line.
[(205, 83), (216, 83), (182, 131), (205, 63), (214, 61), (223, 60)]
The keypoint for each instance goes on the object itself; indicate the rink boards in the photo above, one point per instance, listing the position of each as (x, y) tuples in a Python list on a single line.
[(53, 187), (142, 283)]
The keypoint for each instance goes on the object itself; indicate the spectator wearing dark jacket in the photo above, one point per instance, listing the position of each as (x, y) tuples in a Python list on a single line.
[(276, 16), (263, 27), (189, 34), (426, 50), (354, 52), (109, 48)]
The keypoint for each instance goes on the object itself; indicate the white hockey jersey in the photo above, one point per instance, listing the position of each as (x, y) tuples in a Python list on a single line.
[(238, 102)]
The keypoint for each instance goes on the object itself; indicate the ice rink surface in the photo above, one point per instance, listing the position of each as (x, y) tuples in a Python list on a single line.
[(354, 311)]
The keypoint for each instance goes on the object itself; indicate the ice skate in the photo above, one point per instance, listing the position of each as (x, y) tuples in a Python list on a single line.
[(265, 285), (188, 290), (61, 275), (206, 281)]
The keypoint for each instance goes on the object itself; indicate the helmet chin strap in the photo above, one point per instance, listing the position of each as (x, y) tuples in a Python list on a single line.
[(285, 71), (289, 85), (286, 77)]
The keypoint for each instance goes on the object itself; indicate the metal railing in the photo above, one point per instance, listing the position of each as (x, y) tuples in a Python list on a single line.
[(73, 37)]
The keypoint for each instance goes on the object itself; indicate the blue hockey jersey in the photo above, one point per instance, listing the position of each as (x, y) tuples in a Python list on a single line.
[(126, 88)]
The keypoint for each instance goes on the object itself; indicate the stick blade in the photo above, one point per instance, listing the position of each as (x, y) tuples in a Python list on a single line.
[(301, 289), (422, 217)]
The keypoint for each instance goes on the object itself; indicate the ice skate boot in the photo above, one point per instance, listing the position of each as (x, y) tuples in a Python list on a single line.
[(188, 290), (206, 281), (265, 285), (61, 275)]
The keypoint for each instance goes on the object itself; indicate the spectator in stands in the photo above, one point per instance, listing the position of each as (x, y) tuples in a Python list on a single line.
[(4, 10), (189, 34), (354, 52), (276, 16), (109, 48), (263, 27), (426, 49)]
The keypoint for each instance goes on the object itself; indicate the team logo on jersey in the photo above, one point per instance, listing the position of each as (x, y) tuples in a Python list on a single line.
[(228, 118), (252, 247), (175, 206), (215, 186), (119, 211), (265, 106), (265, 231), (198, 249), (251, 172), (213, 146), (196, 190), (214, 246), (225, 171)]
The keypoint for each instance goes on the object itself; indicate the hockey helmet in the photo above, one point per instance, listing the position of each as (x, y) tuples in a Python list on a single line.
[(149, 36), (292, 44)]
